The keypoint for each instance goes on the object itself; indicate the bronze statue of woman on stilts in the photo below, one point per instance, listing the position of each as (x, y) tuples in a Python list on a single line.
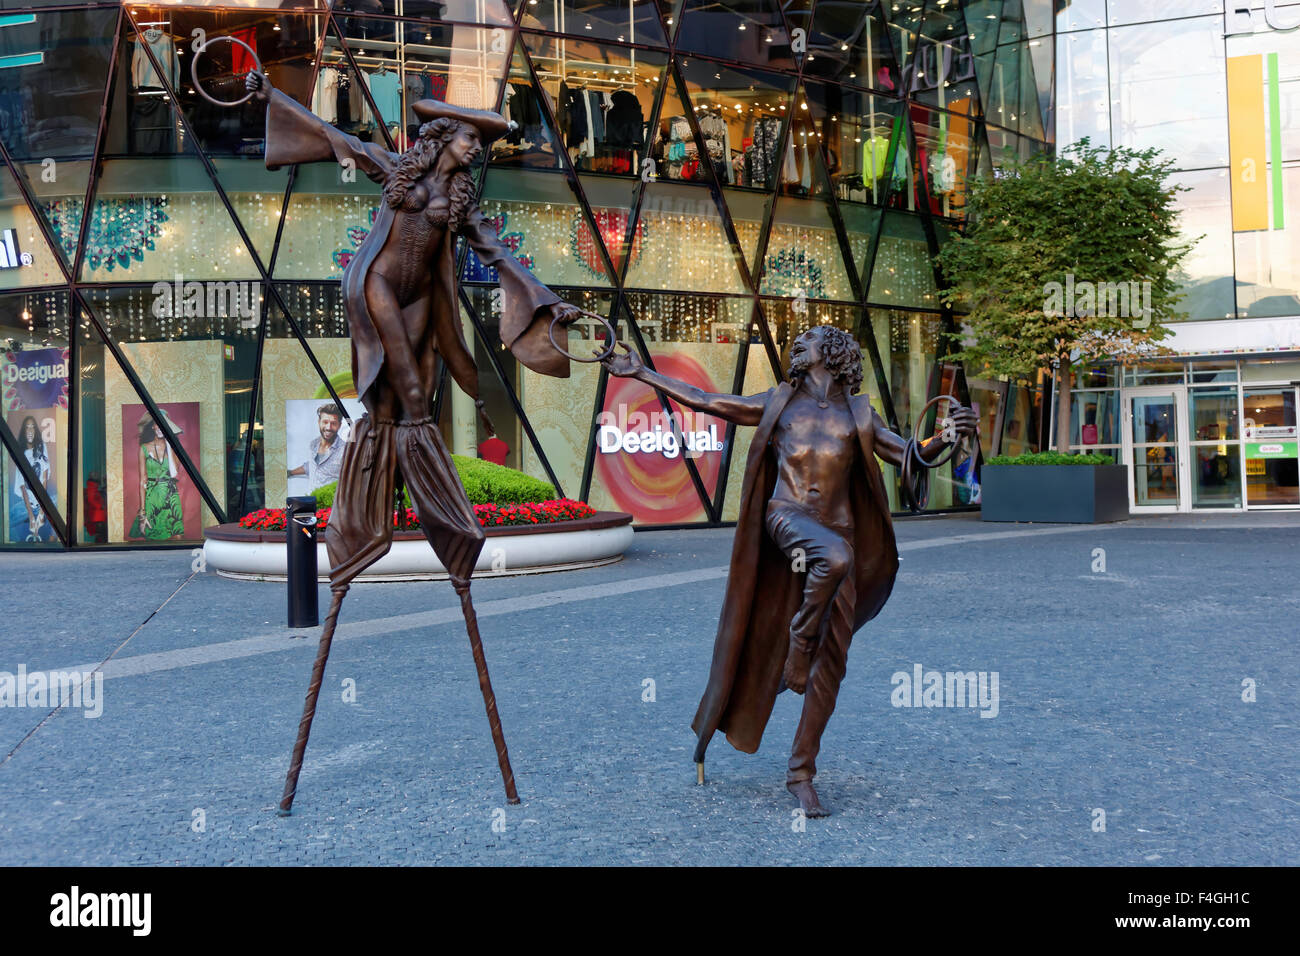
[(401, 301)]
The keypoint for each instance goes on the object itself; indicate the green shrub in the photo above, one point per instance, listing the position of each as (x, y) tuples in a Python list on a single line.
[(484, 482), (1051, 458)]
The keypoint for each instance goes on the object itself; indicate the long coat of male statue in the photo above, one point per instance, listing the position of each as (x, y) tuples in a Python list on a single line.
[(814, 556)]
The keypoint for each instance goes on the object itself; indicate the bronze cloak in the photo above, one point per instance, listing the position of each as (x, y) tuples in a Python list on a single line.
[(296, 135), (763, 591)]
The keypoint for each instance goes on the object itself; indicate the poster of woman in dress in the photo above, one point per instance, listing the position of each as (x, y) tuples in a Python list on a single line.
[(160, 502), (36, 432)]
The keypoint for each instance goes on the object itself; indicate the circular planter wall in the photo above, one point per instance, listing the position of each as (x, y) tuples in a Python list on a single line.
[(236, 552)]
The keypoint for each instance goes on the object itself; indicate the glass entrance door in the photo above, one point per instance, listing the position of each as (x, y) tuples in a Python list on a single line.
[(1155, 448), (1269, 431)]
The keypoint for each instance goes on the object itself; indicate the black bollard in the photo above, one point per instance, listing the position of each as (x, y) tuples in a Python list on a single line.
[(300, 537)]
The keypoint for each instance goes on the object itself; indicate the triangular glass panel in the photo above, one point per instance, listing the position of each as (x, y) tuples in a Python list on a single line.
[(1036, 105), (560, 409), (34, 399), (672, 12), (499, 375), (850, 45), (155, 213), (676, 153), (739, 113), (943, 22), (601, 96), (328, 216), (52, 139), (56, 70), (748, 210), (904, 272), (681, 243), (611, 200), (857, 131), (802, 176), (149, 495), (803, 258), (546, 230), (630, 21), (742, 31), (947, 158), (533, 144), (25, 523), (26, 258), (983, 20), (1000, 92), (158, 218)]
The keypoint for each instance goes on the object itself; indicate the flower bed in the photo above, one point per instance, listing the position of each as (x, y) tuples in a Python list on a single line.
[(489, 516)]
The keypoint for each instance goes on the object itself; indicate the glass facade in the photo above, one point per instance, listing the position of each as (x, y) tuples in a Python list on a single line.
[(713, 176), (1213, 85)]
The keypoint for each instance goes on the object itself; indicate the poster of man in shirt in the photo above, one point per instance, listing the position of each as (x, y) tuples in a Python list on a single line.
[(316, 432)]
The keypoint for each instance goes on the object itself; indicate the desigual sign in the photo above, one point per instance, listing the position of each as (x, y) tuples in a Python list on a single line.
[(640, 461)]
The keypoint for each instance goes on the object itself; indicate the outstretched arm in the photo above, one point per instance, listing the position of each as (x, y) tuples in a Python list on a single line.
[(891, 447), (294, 134), (740, 409)]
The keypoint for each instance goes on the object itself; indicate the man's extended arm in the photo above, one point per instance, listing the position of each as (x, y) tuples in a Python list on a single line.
[(890, 447), (740, 409)]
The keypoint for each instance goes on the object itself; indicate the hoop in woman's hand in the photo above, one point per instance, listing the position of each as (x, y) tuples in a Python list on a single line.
[(199, 50)]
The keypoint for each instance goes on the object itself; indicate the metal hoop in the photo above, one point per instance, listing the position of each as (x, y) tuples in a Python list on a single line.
[(194, 71), (611, 342), (916, 484)]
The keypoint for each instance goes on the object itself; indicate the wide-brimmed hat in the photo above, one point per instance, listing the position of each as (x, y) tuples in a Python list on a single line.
[(490, 125), (146, 417)]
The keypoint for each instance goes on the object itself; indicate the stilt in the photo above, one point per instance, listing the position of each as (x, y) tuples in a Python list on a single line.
[(485, 685), (309, 708)]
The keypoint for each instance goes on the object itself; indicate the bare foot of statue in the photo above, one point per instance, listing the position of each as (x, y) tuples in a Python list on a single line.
[(808, 802), (795, 674)]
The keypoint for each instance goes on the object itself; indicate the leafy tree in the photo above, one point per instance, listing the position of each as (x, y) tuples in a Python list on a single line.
[(1055, 253)]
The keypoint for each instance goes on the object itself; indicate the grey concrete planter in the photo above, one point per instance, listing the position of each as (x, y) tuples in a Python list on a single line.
[(1071, 494)]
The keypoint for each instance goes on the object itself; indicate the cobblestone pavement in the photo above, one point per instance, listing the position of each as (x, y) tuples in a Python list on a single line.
[(1118, 691)]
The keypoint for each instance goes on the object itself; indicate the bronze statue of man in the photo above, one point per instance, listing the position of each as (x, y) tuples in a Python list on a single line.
[(814, 556), (403, 311)]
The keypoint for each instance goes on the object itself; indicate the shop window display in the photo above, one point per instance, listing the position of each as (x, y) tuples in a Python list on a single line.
[(34, 396), (640, 463), (740, 114), (606, 188), (602, 97)]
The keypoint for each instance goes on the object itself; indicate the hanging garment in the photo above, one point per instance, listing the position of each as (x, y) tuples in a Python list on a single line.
[(152, 128), (143, 73), (414, 86), (625, 123), (875, 153), (790, 166), (325, 98), (385, 89), (241, 61), (589, 142), (763, 155)]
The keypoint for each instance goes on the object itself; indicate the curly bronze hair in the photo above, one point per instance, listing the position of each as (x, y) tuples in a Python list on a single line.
[(842, 357), (402, 189)]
